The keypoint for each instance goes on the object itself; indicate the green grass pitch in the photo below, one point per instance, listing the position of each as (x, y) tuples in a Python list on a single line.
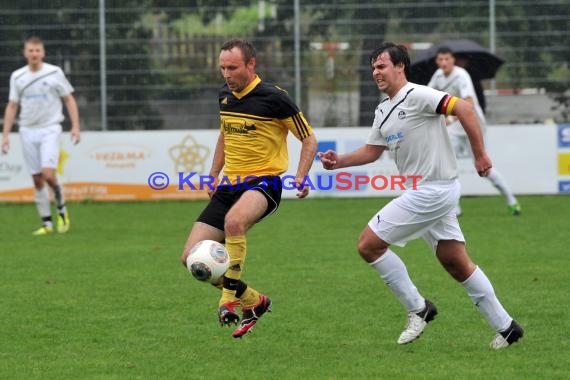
[(110, 300)]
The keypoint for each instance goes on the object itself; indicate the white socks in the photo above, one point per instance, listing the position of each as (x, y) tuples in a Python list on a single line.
[(497, 180), (482, 294), (395, 275), (42, 203), (479, 288)]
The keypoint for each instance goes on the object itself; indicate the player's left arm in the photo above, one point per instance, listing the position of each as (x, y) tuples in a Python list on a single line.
[(308, 152), (293, 119), (301, 129), (468, 119), (73, 112)]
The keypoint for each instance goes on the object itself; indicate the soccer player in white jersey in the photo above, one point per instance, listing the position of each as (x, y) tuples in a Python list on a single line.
[(456, 81), (38, 89), (410, 123)]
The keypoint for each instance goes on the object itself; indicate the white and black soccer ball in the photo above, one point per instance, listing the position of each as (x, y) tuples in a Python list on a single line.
[(208, 261)]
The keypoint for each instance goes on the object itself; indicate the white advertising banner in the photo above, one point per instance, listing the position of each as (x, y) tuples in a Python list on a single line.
[(526, 155), (117, 166), (141, 165)]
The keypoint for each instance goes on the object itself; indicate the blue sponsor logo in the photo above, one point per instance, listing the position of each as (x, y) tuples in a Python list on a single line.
[(395, 137), (564, 186), (564, 135), (325, 145)]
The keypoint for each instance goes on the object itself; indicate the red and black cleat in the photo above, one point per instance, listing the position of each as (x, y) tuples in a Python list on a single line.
[(251, 315), (227, 314)]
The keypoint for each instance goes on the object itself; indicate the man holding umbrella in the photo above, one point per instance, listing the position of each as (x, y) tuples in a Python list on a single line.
[(456, 81)]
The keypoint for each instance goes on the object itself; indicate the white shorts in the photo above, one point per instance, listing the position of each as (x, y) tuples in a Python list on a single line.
[(41, 147), (427, 212)]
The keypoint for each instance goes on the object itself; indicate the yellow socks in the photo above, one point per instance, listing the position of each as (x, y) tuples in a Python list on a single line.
[(249, 298), (236, 247), (233, 287), (227, 296)]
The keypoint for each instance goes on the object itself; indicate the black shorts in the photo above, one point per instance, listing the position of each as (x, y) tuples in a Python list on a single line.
[(226, 196)]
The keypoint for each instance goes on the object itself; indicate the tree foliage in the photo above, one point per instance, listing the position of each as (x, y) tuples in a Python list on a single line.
[(70, 31), (530, 37)]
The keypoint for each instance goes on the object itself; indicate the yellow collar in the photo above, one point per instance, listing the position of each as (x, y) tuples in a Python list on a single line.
[(248, 89)]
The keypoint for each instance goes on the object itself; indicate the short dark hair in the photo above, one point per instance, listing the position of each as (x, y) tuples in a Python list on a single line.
[(444, 50), (398, 54), (33, 40), (245, 46)]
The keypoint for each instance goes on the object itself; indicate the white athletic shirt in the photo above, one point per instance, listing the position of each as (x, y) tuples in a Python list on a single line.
[(457, 83), (411, 125), (39, 95)]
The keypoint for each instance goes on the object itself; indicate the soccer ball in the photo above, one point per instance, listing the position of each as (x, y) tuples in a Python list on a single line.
[(208, 261)]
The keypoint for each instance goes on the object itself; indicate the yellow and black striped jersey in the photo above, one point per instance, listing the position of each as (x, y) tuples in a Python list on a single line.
[(255, 123)]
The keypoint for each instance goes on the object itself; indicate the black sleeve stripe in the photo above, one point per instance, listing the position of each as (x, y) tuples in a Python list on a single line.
[(301, 126), (440, 105), (297, 126)]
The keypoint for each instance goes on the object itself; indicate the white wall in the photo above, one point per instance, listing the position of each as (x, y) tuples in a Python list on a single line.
[(526, 155)]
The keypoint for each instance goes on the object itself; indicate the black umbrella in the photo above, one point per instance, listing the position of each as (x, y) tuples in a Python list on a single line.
[(480, 62)]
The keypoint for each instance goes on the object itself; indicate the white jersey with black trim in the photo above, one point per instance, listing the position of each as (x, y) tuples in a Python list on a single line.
[(412, 127), (458, 83), (39, 94)]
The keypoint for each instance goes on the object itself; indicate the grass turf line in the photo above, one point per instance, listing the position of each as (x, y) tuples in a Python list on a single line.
[(110, 300)]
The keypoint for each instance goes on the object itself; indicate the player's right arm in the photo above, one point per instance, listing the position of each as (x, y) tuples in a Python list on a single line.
[(364, 155), (217, 163), (468, 119), (9, 117)]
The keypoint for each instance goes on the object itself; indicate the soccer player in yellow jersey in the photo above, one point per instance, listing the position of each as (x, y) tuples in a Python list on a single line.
[(255, 119)]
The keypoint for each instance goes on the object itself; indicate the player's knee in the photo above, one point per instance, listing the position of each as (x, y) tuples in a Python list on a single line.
[(451, 267), (48, 174), (234, 226), (39, 182), (184, 257), (368, 251), (460, 270)]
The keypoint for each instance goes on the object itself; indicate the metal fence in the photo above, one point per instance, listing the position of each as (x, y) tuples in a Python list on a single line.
[(154, 63)]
